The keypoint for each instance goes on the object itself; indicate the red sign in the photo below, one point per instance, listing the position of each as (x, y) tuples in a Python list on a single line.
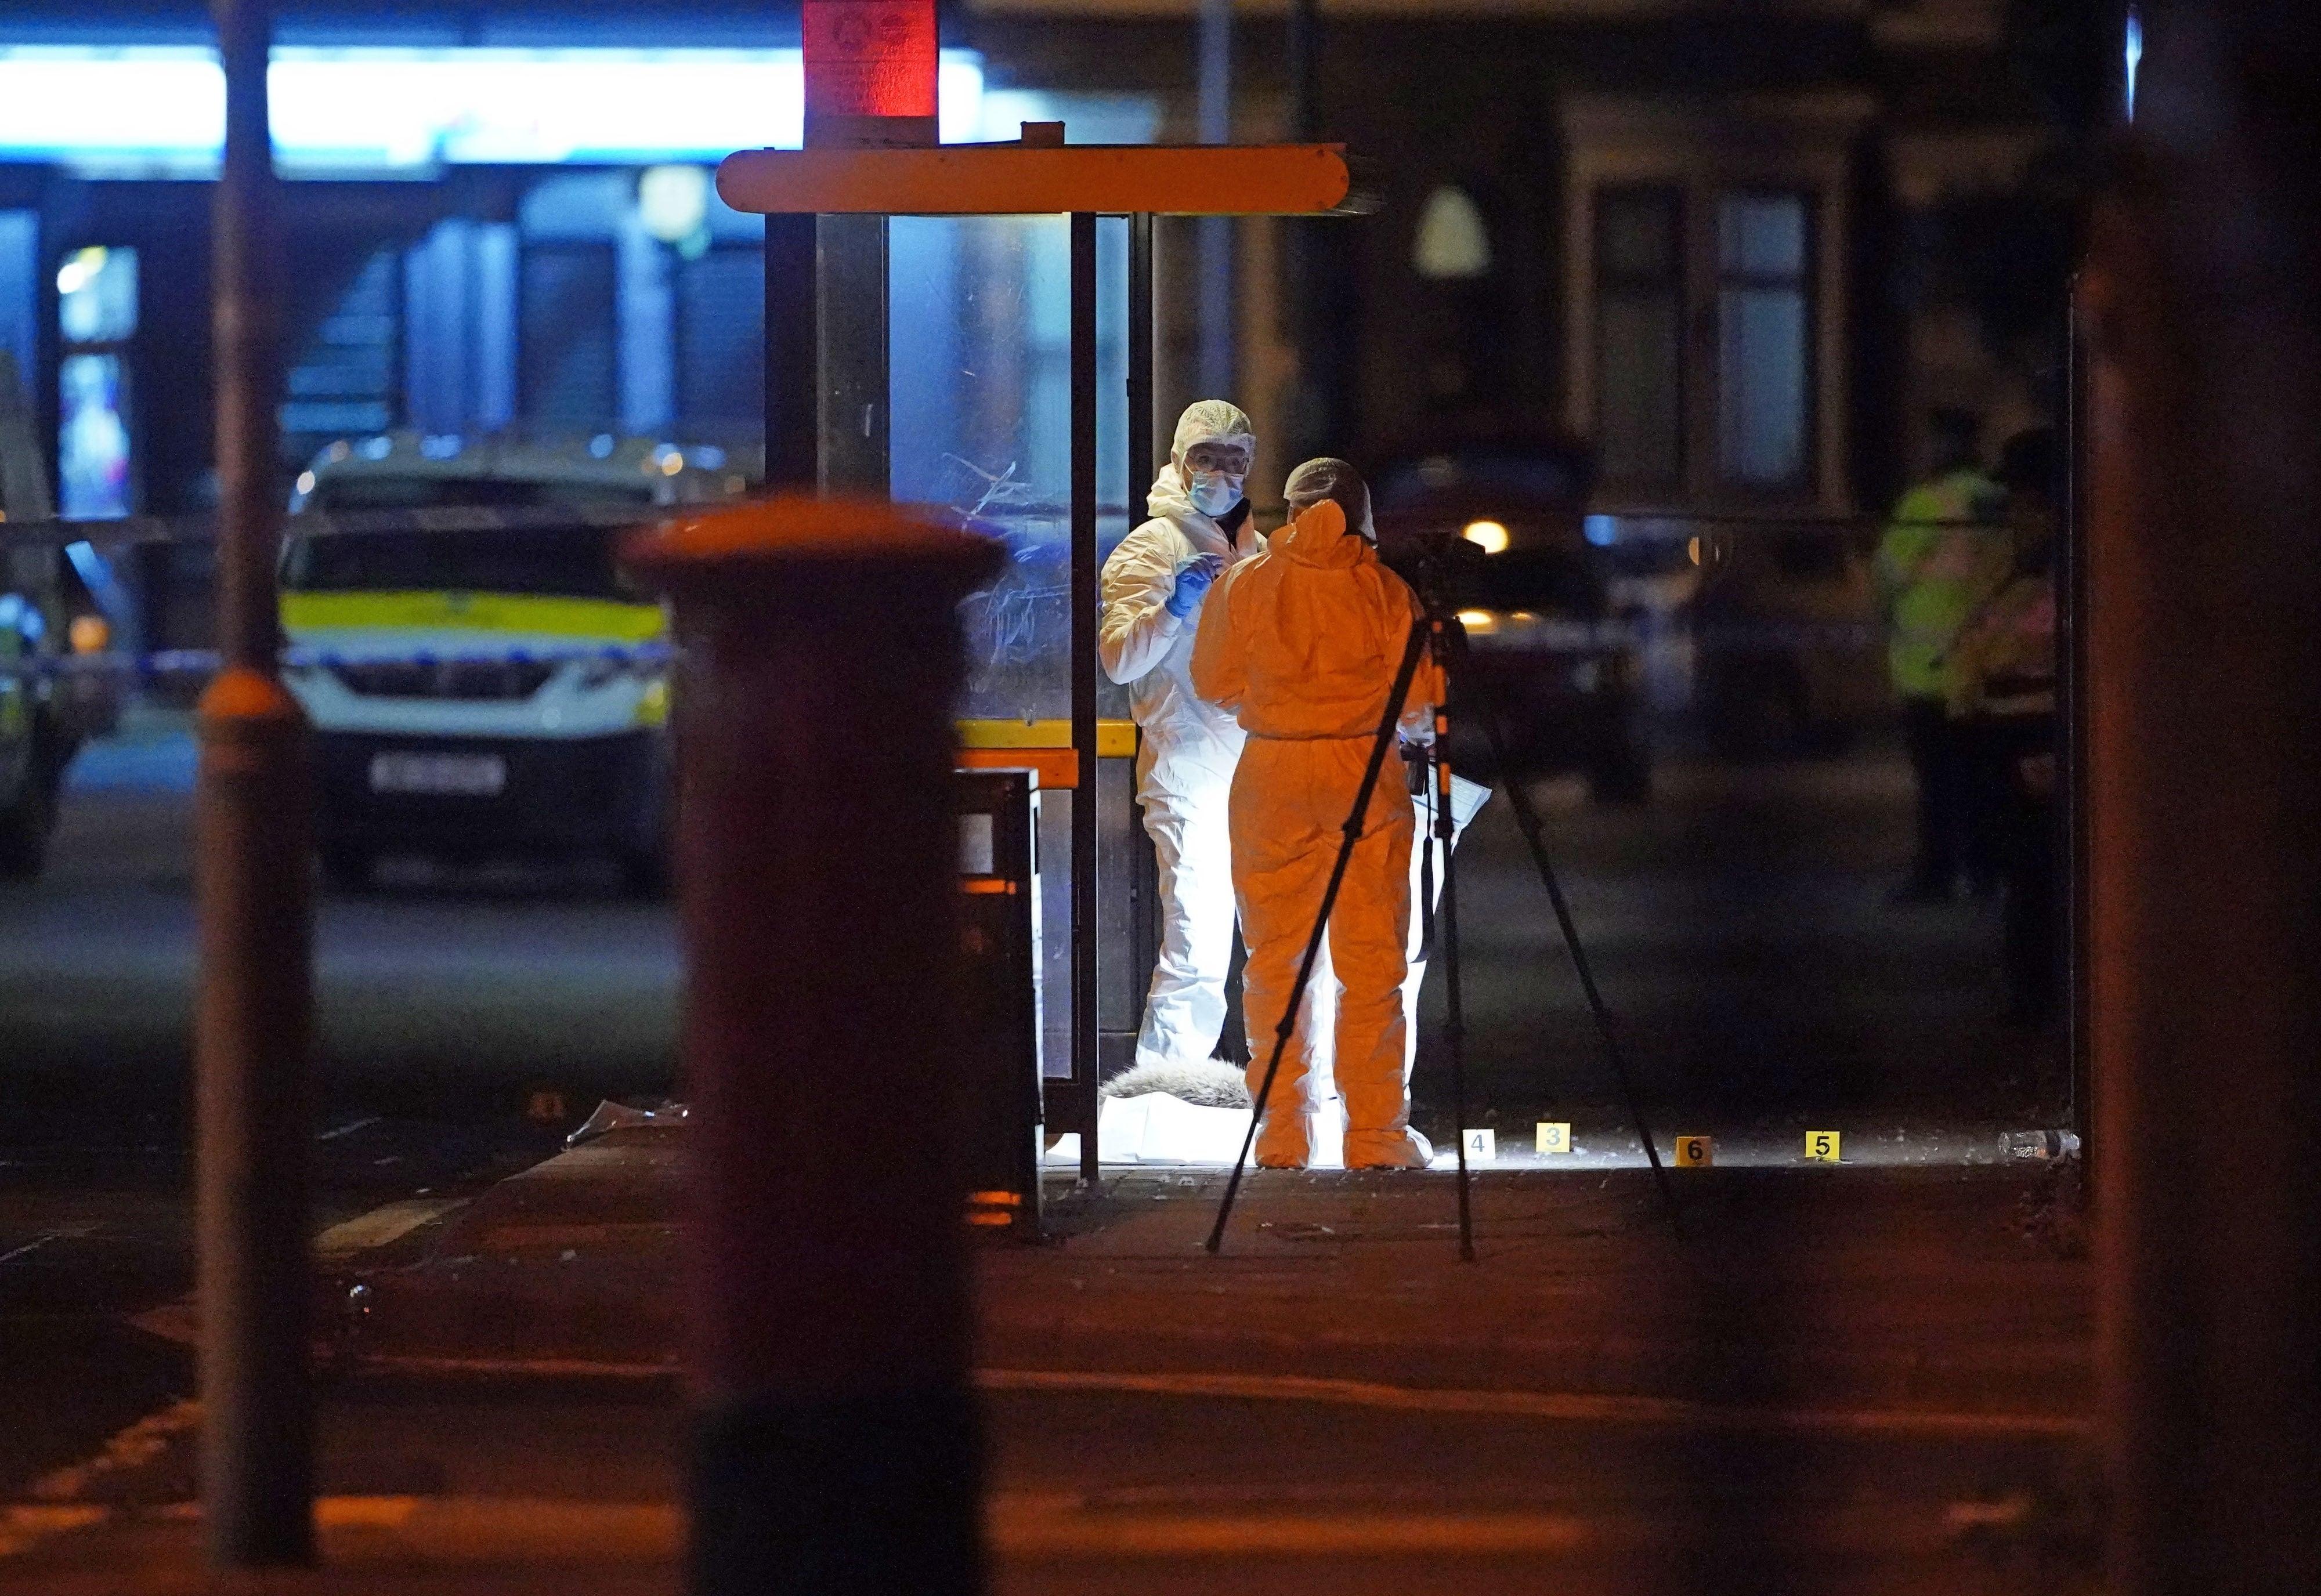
[(870, 57)]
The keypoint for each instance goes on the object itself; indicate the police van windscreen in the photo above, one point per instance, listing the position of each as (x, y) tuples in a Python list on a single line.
[(561, 562)]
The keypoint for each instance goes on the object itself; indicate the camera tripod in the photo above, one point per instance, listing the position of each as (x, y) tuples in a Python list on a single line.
[(1441, 633)]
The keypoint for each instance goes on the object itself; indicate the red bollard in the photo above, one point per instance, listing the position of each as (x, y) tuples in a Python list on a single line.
[(835, 1447)]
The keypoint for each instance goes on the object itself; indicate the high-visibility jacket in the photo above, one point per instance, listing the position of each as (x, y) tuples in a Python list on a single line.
[(1946, 551)]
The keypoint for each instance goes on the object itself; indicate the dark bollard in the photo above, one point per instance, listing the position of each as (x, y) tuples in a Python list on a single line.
[(2204, 845), (253, 868), (254, 862), (835, 1447)]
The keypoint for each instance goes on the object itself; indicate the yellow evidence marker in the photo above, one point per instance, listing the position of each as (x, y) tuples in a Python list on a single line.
[(1695, 1151), (1554, 1136), (1482, 1146), (1821, 1146)]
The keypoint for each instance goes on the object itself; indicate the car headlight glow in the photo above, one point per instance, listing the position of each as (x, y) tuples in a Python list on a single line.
[(1488, 536)]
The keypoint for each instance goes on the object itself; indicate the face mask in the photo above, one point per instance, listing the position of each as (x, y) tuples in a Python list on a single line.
[(1214, 493)]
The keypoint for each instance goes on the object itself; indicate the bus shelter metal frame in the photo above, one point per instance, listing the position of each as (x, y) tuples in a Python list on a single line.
[(826, 335)]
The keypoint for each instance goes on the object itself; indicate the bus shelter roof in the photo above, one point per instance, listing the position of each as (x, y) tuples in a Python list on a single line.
[(1019, 179)]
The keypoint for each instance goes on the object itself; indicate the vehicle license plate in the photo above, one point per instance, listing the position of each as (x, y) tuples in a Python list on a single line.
[(459, 775)]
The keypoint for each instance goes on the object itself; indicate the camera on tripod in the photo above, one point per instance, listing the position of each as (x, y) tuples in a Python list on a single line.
[(1492, 529)]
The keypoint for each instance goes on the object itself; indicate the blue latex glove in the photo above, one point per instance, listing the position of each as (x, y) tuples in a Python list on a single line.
[(1192, 581)]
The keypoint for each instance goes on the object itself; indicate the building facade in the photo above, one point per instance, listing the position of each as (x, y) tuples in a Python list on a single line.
[(1742, 247), (488, 226)]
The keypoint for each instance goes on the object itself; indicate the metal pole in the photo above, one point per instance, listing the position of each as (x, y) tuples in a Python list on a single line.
[(2071, 704), (1142, 444), (1454, 1026), (793, 354), (1084, 1064), (252, 868), (835, 1449), (1215, 234), (850, 312), (871, 81), (1144, 863), (1305, 418)]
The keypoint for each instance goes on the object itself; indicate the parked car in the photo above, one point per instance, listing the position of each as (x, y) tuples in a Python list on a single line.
[(419, 471), (58, 685), (1495, 524)]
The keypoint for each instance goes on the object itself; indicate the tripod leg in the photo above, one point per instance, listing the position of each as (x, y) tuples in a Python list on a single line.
[(1527, 823), (1455, 1026)]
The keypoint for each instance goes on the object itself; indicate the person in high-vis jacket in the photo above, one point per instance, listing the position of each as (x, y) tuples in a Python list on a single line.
[(1153, 587), (1945, 552), (1302, 643), (2001, 679)]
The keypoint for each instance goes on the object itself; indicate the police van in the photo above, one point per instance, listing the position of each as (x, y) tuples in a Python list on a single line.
[(481, 678)]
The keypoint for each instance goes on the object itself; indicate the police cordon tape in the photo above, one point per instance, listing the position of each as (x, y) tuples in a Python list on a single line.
[(1512, 630), (1547, 637), (125, 529)]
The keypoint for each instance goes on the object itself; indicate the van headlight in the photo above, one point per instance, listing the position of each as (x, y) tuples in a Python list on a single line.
[(652, 703)]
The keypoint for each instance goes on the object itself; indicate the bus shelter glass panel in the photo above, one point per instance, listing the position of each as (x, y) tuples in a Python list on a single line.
[(979, 375), (979, 357)]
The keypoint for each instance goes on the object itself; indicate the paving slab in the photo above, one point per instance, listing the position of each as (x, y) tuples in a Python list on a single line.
[(1869, 1380), (1878, 1287)]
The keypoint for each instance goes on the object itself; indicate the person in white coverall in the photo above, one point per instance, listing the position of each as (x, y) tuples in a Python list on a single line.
[(1302, 642), (1153, 589)]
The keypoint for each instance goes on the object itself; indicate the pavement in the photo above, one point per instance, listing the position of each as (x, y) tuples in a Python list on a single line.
[(1870, 1376), (1858, 1378)]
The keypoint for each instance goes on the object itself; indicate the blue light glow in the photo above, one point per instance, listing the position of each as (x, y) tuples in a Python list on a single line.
[(160, 112), (1602, 531), (2134, 50)]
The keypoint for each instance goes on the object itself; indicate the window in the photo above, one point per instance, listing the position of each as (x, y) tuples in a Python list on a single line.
[(721, 348), (569, 375), (1705, 288), (459, 332), (574, 562), (1639, 364), (344, 380), (96, 315), (1704, 335), (19, 241), (1763, 347)]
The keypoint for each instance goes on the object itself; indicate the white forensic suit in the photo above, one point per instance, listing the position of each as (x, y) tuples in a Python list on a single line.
[(1303, 642), (1184, 767)]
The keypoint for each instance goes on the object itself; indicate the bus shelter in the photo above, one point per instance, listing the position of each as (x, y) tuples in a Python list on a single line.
[(918, 299)]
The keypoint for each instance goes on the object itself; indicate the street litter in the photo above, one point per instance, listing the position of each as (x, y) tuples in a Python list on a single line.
[(612, 1116), (1156, 1127)]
